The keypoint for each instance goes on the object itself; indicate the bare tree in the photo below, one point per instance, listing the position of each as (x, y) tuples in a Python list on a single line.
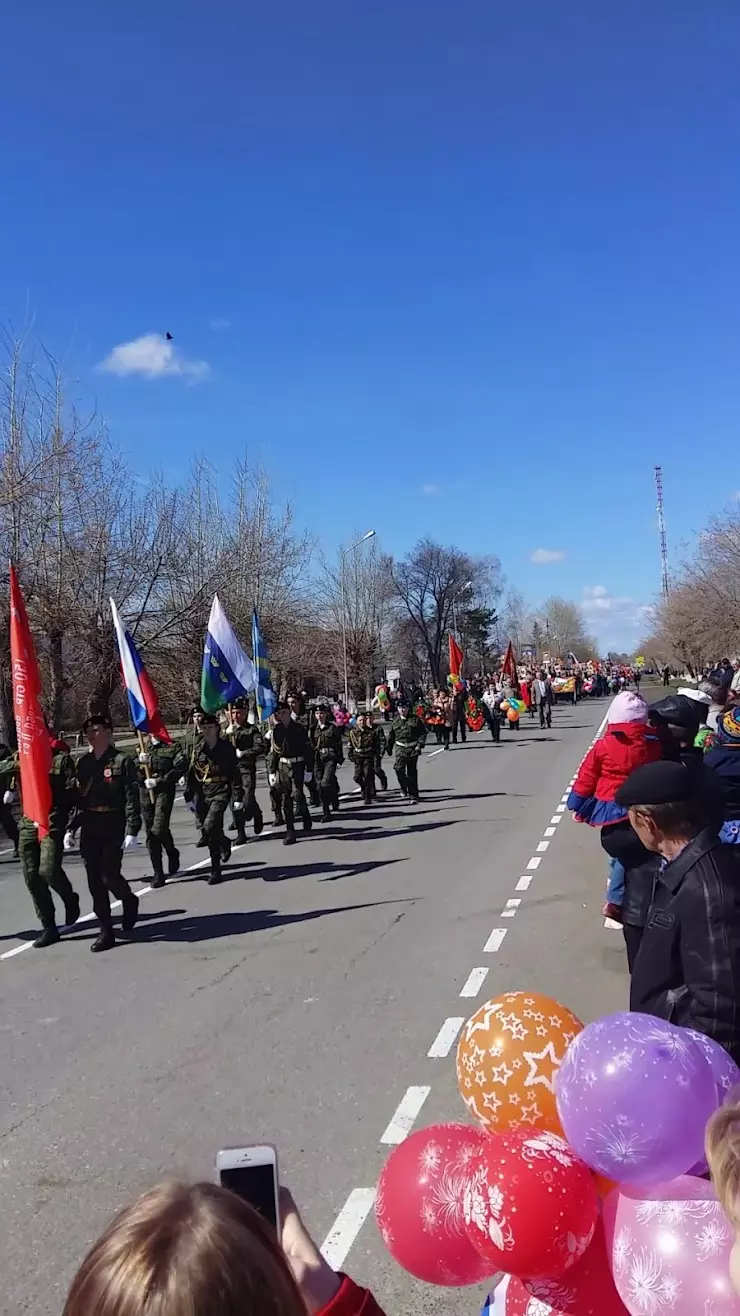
[(354, 595)]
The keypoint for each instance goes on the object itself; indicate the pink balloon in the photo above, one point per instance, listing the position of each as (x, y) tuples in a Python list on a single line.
[(670, 1250)]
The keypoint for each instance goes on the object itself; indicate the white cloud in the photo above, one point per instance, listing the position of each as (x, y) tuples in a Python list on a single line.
[(430, 490), (153, 357), (219, 324), (621, 608), (541, 556)]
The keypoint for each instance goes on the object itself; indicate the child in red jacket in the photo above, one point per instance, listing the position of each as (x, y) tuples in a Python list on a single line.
[(628, 742)]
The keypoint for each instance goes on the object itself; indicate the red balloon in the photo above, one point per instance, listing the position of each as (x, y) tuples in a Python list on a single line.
[(419, 1204), (587, 1290), (531, 1205)]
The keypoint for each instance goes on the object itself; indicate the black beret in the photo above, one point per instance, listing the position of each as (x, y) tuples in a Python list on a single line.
[(657, 783), (209, 720), (240, 702)]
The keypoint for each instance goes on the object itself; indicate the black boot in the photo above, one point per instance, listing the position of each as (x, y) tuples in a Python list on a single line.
[(241, 837), (279, 820), (71, 910), (226, 850), (326, 816), (106, 940), (259, 821), (290, 838), (307, 824), (48, 936), (157, 881), (173, 863), (130, 913), (215, 876)]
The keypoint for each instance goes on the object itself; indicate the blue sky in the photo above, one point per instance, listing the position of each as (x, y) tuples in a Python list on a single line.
[(466, 270)]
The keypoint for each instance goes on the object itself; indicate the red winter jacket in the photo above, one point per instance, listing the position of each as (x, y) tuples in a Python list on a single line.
[(351, 1300), (623, 747)]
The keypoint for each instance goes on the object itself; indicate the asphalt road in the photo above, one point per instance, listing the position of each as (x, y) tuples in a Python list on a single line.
[(296, 1003)]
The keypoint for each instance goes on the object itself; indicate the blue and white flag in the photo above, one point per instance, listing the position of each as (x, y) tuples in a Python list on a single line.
[(227, 672), (266, 697)]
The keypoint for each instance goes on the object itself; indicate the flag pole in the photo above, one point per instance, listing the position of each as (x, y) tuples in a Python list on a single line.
[(145, 752)]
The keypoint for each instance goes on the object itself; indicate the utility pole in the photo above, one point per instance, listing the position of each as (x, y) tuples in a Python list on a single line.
[(661, 531)]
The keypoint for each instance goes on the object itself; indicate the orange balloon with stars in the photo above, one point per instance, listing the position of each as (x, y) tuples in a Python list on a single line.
[(507, 1058)]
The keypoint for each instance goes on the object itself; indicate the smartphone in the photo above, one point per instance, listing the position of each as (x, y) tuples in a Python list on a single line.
[(252, 1173)]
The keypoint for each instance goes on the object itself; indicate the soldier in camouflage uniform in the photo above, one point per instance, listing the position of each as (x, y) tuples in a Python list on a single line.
[(41, 858), (160, 768), (246, 738), (328, 755), (289, 764), (408, 737), (307, 720), (362, 753), (379, 748), (190, 744), (215, 772), (108, 788)]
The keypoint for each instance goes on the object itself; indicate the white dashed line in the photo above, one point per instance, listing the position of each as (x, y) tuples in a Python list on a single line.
[(534, 863), (612, 924), (542, 846), (524, 882), (549, 831), (446, 1038), (561, 809), (403, 1121), (511, 907), (495, 941), (347, 1226), (432, 753), (474, 982)]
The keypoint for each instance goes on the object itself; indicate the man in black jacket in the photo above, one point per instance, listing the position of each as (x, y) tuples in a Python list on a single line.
[(687, 969)]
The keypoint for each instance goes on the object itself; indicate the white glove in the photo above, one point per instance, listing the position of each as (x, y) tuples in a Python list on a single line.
[(308, 776), (9, 797), (231, 729), (272, 777), (181, 782), (151, 782), (237, 805), (241, 753), (131, 842), (191, 805), (143, 756), (69, 841)]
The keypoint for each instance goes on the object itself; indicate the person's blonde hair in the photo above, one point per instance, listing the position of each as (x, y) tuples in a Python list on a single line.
[(186, 1250), (723, 1158)]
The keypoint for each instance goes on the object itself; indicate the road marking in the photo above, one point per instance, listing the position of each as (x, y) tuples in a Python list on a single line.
[(347, 1226), (542, 846), (524, 883), (612, 924), (446, 1038), (565, 798), (474, 982), (555, 819), (534, 863), (561, 809), (406, 1112), (510, 907), (550, 831), (495, 941), (431, 754)]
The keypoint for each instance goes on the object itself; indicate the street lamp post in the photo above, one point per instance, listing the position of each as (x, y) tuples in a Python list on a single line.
[(455, 597), (351, 549)]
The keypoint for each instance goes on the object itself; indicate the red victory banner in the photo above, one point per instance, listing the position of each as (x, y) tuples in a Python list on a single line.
[(456, 657), (34, 747)]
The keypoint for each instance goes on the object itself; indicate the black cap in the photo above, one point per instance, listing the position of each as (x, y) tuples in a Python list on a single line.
[(282, 705), (209, 720), (664, 782), (97, 716), (240, 702), (678, 711), (196, 709)]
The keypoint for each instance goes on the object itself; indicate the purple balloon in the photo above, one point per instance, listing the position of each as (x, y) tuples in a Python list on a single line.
[(634, 1095), (725, 1073)]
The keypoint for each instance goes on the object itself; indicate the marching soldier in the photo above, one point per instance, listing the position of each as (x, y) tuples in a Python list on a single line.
[(328, 755), (215, 774), (290, 764), (191, 744), (379, 748), (110, 822), (362, 754), (247, 740), (41, 858), (276, 795), (7, 795), (162, 766), (408, 736), (299, 714)]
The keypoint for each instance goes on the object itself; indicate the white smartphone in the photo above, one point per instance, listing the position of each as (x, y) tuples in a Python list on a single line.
[(252, 1173)]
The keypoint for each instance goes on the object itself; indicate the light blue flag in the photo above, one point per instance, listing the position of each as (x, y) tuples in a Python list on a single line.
[(266, 698)]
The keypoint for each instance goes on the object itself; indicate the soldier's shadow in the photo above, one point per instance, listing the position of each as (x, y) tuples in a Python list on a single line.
[(212, 927)]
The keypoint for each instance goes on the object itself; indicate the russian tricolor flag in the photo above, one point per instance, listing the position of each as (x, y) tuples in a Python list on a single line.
[(142, 697)]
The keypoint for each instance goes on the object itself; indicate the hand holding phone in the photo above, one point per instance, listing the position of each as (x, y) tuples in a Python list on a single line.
[(252, 1173)]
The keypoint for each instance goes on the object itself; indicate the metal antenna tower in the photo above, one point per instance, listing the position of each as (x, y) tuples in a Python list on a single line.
[(661, 531)]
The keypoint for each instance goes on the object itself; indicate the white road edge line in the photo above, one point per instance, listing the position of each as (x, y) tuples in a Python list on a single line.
[(561, 810), (534, 863), (612, 924), (446, 1038), (432, 752), (555, 819), (550, 831), (542, 846), (474, 982), (347, 1226), (406, 1112), (511, 907), (524, 882), (495, 941)]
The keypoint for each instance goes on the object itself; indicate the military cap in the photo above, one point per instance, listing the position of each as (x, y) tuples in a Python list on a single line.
[(97, 715), (210, 720)]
